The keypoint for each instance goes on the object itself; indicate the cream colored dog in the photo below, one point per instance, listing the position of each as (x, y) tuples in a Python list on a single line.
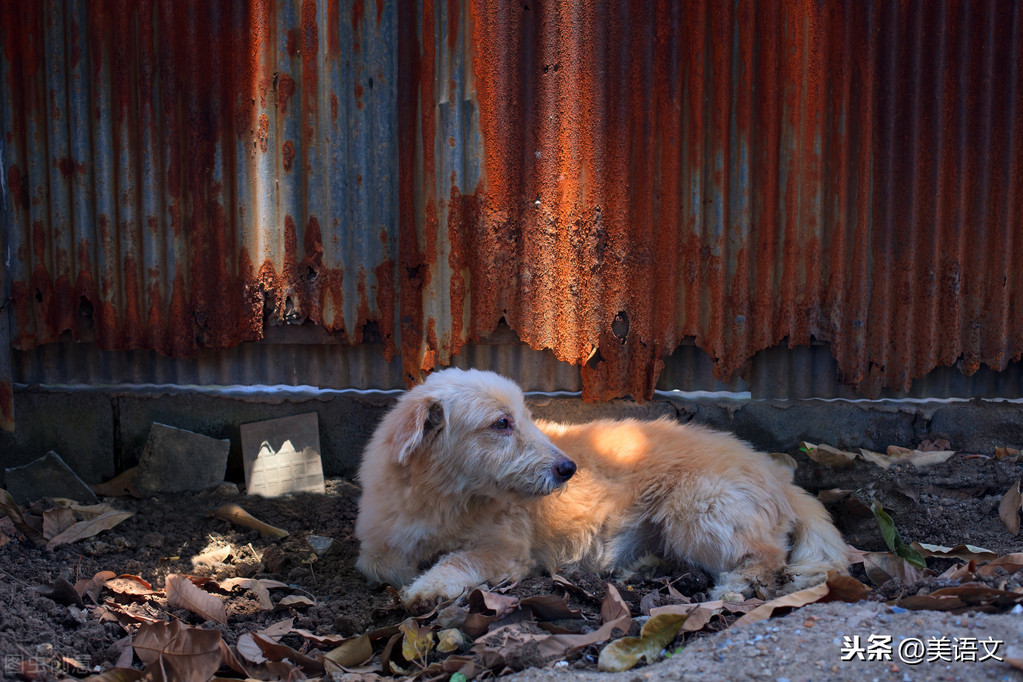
[(459, 479)]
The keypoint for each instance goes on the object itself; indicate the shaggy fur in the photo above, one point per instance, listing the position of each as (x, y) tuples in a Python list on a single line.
[(460, 480)]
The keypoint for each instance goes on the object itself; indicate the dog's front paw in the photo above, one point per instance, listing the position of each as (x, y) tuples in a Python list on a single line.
[(438, 584)]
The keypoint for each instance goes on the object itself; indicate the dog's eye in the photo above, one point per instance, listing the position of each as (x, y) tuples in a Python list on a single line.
[(502, 424)]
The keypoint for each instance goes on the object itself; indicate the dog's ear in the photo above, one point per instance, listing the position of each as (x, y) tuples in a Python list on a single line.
[(419, 423)]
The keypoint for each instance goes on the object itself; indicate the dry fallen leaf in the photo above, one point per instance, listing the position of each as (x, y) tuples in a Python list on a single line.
[(450, 640), (173, 651), (828, 455), (276, 652), (1009, 508), (964, 552), (793, 600), (90, 527), (13, 511), (417, 642), (1010, 454), (118, 485), (130, 585), (1010, 563), (845, 588), (657, 633), (883, 566), (212, 557), (181, 593), (94, 585), (295, 601), (232, 513), (56, 521), (351, 653)]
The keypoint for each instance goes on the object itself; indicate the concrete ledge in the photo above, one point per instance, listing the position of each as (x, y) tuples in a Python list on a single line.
[(99, 431)]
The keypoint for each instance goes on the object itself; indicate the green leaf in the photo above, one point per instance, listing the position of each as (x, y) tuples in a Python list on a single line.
[(657, 633), (893, 539), (457, 677)]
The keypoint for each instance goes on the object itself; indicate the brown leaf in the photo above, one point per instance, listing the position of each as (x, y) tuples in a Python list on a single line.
[(118, 485), (94, 585), (212, 557), (56, 521), (792, 600), (491, 603), (549, 607), (964, 552), (833, 495), (13, 511), (1009, 508), (255, 586), (181, 593), (828, 455), (845, 588), (883, 566), (614, 607), (573, 588), (352, 652), (918, 458), (960, 572), (89, 528), (1006, 453), (181, 652), (131, 585), (233, 513), (1010, 563), (275, 651), (294, 601)]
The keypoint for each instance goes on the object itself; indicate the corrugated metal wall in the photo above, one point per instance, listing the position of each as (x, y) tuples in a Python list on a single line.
[(612, 179)]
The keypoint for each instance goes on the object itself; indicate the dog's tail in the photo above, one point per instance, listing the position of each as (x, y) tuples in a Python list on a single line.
[(817, 546)]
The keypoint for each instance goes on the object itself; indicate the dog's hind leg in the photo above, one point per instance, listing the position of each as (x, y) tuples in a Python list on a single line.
[(731, 530)]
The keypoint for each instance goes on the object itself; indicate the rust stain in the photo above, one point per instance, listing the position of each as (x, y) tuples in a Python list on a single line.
[(263, 134), (285, 90), (287, 155), (358, 15)]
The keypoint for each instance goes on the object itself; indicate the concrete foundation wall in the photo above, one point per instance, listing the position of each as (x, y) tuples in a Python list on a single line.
[(100, 432)]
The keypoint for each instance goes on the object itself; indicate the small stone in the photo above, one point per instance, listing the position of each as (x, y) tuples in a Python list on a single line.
[(228, 489)]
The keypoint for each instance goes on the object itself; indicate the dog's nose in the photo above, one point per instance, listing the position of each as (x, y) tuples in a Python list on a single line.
[(564, 469)]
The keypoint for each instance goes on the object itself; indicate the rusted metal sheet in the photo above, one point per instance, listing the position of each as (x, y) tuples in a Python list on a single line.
[(741, 174), (183, 173), (611, 179)]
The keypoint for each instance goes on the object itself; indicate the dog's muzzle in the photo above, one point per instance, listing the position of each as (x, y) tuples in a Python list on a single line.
[(563, 469)]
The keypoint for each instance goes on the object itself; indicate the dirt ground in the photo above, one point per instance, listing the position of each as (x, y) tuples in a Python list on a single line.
[(48, 633)]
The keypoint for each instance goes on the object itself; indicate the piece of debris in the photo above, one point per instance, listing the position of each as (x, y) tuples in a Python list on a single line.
[(119, 485), (48, 476), (232, 513), (175, 460), (322, 546), (283, 455)]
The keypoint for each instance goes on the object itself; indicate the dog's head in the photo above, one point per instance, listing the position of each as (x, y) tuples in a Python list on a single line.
[(471, 432)]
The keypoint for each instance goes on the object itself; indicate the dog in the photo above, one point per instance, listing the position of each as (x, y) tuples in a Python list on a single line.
[(460, 480)]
